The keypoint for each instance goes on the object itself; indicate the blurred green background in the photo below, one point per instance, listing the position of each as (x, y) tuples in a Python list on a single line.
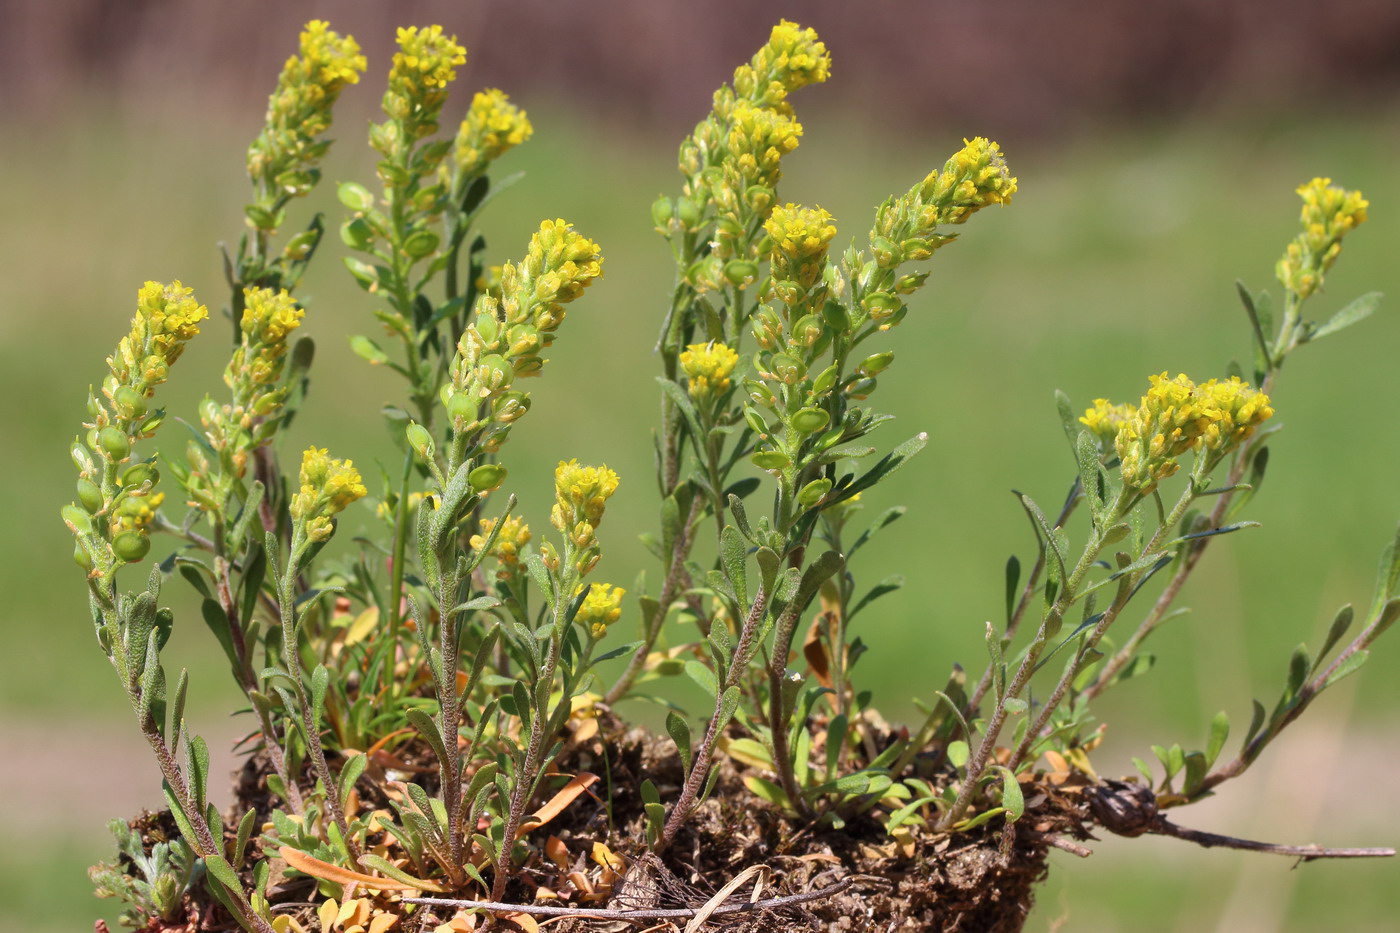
[(121, 154)]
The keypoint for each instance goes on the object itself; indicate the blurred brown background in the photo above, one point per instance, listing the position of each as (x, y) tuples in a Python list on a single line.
[(1157, 145)]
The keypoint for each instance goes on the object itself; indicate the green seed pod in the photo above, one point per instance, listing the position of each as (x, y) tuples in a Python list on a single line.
[(90, 496), (880, 305), (740, 271), (486, 477), (420, 440), (76, 519), (810, 420), (908, 284), (140, 473), (807, 330), (355, 196), (887, 252), (861, 389), (487, 327), (114, 443), (788, 369), (82, 457), (81, 557), (421, 243), (689, 213), (662, 210), (759, 198), (770, 459), (461, 406), (823, 383), (131, 546), (916, 248), (756, 422), (813, 492), (356, 233), (209, 412), (495, 372), (128, 402), (875, 363), (300, 246)]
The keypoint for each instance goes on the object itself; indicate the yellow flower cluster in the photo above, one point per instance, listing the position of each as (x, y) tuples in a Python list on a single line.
[(515, 534), (299, 109), (792, 58), (601, 607), (492, 125), (167, 316), (327, 487), (268, 318), (1329, 214), (975, 177), (581, 494), (1177, 415), (758, 139), (423, 67), (801, 236), (1105, 418), (708, 366)]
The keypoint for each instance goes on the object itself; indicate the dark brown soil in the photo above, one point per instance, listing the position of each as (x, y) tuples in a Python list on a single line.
[(983, 880)]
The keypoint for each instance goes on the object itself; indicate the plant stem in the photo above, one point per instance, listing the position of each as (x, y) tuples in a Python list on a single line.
[(1023, 674)]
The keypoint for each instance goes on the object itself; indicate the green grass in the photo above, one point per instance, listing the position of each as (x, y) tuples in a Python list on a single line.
[(1116, 260)]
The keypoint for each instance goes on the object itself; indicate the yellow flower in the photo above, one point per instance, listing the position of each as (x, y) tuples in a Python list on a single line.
[(601, 607), (167, 316), (136, 513), (1329, 214), (582, 492), (758, 139), (709, 366), (801, 236), (975, 177), (515, 534), (268, 317), (792, 58), (327, 487), (1105, 418), (1234, 410), (422, 69), (492, 125), (299, 109)]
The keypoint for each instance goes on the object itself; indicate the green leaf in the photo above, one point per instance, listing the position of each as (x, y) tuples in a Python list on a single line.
[(428, 729), (197, 768), (1263, 353), (1011, 797), (1358, 310), (1298, 666), (703, 676), (679, 730), (1350, 666), (240, 840), (223, 872), (958, 753), (1046, 534), (1388, 576), (1340, 624), (389, 870), (734, 553), (888, 464), (1068, 421), (350, 773), (1219, 732), (1013, 581), (1086, 452)]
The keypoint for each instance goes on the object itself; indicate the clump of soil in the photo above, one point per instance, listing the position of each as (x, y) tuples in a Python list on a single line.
[(982, 880)]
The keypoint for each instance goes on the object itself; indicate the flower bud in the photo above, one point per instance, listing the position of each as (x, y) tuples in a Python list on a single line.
[(420, 440), (813, 492), (131, 546), (486, 477), (810, 420), (114, 443), (90, 496)]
